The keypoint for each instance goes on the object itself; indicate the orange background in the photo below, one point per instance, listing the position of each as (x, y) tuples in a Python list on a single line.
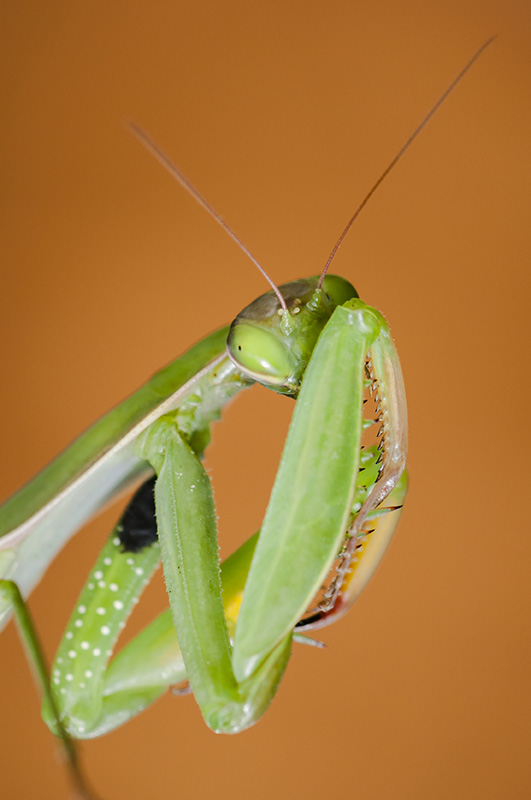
[(284, 114)]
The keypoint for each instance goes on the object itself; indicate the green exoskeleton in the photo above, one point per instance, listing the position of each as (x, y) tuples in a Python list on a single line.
[(334, 506)]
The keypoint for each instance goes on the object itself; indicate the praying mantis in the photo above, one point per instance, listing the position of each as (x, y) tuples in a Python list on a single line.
[(334, 507)]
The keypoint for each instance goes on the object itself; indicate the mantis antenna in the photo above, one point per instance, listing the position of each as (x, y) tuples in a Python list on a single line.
[(172, 168), (400, 153), (163, 159)]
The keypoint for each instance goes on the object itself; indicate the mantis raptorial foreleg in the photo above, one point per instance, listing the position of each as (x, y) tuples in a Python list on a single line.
[(314, 487), (94, 694), (186, 521)]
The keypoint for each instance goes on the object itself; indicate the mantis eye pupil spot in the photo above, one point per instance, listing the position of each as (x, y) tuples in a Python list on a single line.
[(239, 347)]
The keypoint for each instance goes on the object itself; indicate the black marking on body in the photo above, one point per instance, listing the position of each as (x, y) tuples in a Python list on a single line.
[(138, 526)]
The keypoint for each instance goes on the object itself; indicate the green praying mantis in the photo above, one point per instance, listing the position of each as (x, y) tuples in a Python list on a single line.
[(334, 506)]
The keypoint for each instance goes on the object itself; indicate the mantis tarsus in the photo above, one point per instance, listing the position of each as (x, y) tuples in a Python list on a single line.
[(333, 509)]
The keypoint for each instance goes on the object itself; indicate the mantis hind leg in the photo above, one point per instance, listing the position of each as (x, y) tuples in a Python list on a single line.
[(37, 661)]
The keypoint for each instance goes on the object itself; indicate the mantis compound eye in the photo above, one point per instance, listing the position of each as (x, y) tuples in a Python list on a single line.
[(338, 289), (260, 353)]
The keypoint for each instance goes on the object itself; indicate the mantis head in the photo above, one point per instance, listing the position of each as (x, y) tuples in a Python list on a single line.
[(272, 345)]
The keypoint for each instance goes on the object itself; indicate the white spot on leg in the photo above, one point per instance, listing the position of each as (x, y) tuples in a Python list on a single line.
[(105, 630), (82, 609), (72, 654), (139, 571), (98, 574), (100, 611), (85, 645), (97, 651), (118, 605), (113, 587), (88, 673), (69, 676), (78, 623), (107, 561)]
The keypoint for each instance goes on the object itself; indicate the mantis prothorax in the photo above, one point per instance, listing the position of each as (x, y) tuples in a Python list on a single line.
[(333, 509)]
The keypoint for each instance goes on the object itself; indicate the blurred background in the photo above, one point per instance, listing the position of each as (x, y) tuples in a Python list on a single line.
[(284, 114)]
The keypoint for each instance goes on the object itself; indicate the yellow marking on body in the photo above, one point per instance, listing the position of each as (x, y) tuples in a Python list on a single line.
[(232, 608)]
